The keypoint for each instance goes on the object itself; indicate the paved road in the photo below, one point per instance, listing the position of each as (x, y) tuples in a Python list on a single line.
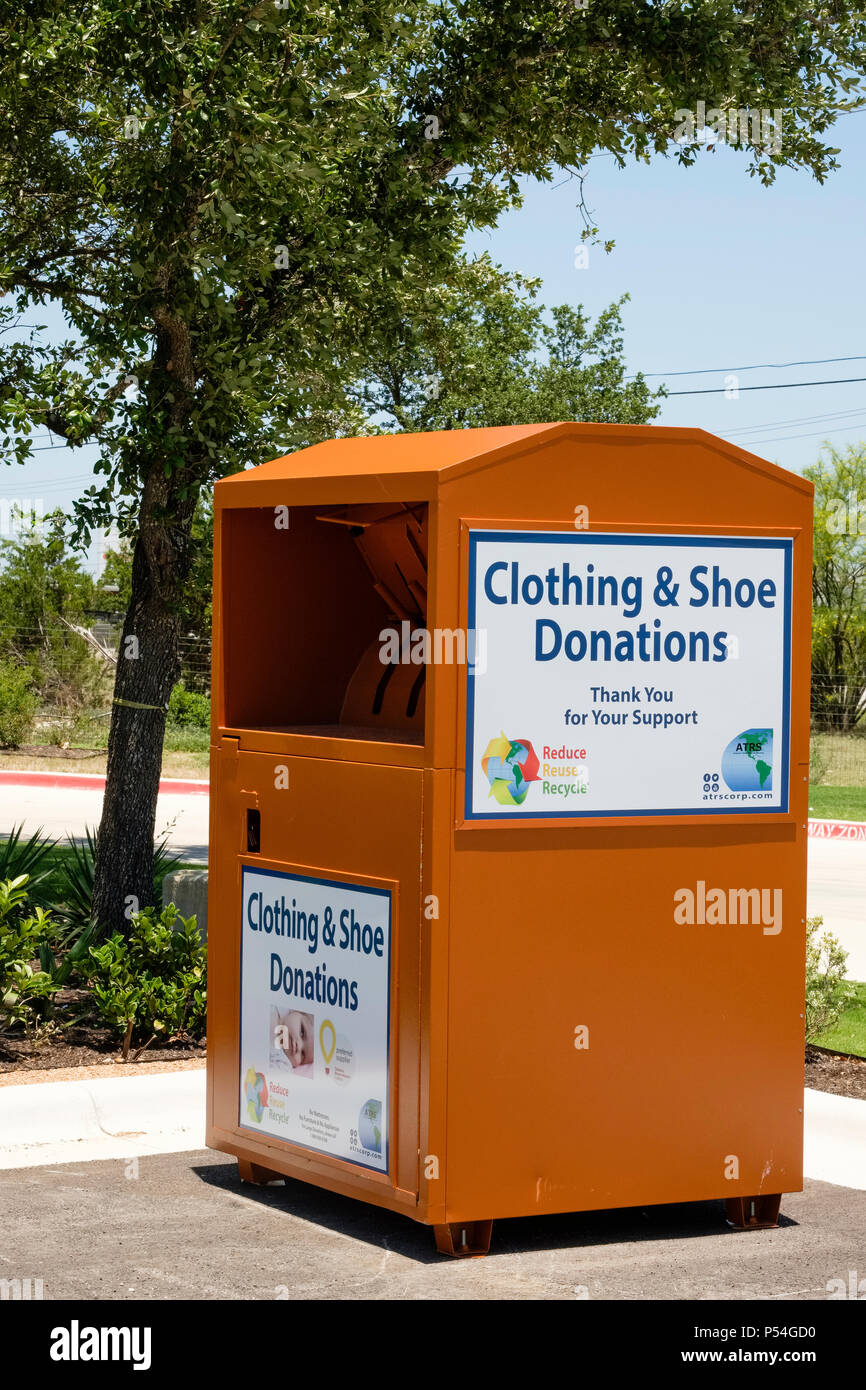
[(64, 812), (186, 1228), (837, 868), (837, 890)]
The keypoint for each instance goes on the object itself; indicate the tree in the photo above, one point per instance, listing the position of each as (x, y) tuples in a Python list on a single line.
[(481, 352), (224, 197), (839, 587), (113, 593), (44, 597)]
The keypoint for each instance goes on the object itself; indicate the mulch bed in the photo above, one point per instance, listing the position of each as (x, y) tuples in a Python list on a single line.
[(90, 1046), (86, 1047), (835, 1072)]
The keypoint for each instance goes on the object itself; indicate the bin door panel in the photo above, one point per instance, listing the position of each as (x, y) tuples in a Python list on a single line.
[(603, 1053), (295, 839)]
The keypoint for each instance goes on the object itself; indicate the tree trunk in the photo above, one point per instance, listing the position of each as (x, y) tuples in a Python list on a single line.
[(148, 665), (148, 661)]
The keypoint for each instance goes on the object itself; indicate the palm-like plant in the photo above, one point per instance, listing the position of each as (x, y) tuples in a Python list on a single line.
[(77, 870), (19, 857), (78, 876)]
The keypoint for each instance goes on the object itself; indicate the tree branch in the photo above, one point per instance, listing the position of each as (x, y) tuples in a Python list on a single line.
[(58, 424), (58, 289), (94, 642)]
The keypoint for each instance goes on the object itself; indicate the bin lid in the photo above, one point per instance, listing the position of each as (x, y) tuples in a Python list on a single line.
[(455, 452), (408, 452)]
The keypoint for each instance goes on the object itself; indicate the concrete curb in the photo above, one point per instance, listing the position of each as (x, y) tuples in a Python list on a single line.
[(69, 1121), (834, 1147), (86, 781), (124, 1117)]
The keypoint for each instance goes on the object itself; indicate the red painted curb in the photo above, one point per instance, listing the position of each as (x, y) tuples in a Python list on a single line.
[(82, 781), (837, 829)]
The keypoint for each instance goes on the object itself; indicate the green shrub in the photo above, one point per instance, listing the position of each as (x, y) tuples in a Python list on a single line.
[(187, 710), (24, 985), (827, 991), (17, 705), (153, 983)]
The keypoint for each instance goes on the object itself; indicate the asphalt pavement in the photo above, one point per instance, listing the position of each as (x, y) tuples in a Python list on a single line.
[(181, 1226)]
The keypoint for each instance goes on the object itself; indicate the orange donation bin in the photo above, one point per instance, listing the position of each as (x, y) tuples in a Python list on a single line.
[(508, 838)]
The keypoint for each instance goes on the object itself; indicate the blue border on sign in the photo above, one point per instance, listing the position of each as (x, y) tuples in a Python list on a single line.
[(348, 887), (783, 543)]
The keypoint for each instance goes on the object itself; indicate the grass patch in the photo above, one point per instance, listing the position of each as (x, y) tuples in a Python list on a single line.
[(841, 758), (837, 803), (849, 1034), (173, 764), (185, 739), (195, 765), (92, 732)]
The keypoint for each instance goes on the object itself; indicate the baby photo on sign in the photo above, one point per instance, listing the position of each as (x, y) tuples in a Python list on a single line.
[(292, 1045)]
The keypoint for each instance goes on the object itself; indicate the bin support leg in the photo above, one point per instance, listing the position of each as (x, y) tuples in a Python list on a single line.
[(753, 1213), (463, 1238), (255, 1173)]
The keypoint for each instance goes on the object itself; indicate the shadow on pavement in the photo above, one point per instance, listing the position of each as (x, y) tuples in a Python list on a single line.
[(377, 1226)]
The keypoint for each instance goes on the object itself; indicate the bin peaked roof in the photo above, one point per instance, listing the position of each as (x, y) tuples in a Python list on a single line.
[(454, 452), (430, 452)]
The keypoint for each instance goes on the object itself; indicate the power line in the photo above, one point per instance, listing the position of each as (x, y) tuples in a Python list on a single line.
[(779, 386), (758, 366), (799, 420), (47, 448), (803, 434), (52, 484)]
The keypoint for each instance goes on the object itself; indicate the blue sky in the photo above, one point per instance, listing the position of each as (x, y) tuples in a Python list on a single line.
[(722, 272)]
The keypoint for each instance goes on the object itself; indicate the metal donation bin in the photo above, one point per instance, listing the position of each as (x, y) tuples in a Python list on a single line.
[(508, 823)]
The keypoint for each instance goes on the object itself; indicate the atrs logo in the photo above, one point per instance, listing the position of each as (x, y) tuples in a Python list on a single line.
[(510, 765), (747, 762), (255, 1094)]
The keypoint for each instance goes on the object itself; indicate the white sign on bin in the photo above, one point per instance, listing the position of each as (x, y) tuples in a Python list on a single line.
[(627, 675), (315, 1006)]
